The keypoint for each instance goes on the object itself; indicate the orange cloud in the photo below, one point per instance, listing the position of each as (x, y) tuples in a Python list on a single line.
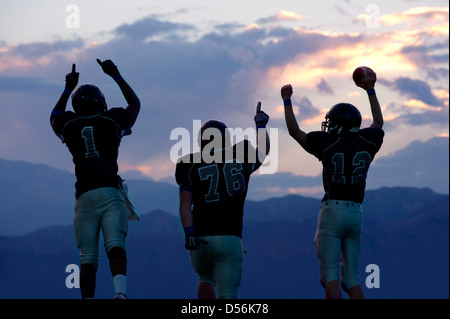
[(155, 168), (432, 14), (288, 15)]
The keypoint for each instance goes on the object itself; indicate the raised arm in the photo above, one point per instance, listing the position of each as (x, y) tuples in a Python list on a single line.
[(368, 84), (291, 122), (261, 119), (71, 84), (134, 104)]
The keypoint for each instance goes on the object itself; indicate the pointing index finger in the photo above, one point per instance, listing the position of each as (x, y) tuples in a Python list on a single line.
[(73, 68), (258, 107)]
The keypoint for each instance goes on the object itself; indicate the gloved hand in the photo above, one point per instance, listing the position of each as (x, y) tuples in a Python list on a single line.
[(261, 118), (72, 79), (192, 242), (109, 68)]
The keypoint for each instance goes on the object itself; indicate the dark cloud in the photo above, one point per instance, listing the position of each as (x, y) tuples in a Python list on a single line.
[(306, 109), (177, 79), (26, 84), (148, 27), (416, 89), (429, 57), (324, 87), (228, 27), (438, 73), (38, 49), (427, 117)]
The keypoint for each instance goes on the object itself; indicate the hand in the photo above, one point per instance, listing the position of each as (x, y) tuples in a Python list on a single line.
[(109, 68), (192, 242), (286, 92), (369, 82), (261, 118), (72, 79)]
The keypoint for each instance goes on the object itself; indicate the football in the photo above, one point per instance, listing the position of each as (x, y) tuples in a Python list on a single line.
[(360, 73)]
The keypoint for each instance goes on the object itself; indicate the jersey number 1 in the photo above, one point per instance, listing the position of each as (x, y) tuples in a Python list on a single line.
[(88, 134)]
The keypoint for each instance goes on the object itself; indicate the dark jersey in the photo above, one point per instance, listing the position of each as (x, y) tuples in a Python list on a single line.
[(218, 187), (346, 160), (94, 144)]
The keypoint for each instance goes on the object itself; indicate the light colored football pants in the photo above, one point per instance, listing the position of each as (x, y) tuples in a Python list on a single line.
[(220, 262), (338, 242), (100, 209)]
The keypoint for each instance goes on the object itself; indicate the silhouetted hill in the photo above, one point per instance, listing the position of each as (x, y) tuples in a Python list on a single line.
[(405, 234), (411, 252), (396, 203), (36, 196)]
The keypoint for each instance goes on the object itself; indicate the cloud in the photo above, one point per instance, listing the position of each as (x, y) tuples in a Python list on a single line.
[(324, 87), (430, 56), (282, 15), (416, 89), (414, 15), (220, 74), (26, 84), (306, 109), (149, 27), (39, 49)]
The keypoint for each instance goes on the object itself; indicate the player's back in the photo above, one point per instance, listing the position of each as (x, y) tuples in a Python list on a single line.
[(93, 142), (346, 160), (219, 187)]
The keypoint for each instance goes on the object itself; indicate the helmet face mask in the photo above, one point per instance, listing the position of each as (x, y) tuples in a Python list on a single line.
[(88, 100), (342, 118)]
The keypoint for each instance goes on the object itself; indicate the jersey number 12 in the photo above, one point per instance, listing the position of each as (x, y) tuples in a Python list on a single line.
[(360, 163)]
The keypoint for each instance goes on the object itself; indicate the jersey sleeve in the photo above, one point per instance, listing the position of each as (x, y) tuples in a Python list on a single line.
[(60, 120), (315, 142), (121, 117), (373, 135)]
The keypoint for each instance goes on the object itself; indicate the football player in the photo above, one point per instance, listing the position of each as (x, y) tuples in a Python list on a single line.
[(346, 152), (213, 186), (93, 134)]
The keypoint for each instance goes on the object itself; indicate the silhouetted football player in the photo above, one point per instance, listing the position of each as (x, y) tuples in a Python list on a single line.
[(213, 186), (346, 152), (93, 134)]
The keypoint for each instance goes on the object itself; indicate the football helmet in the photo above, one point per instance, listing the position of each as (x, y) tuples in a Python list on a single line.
[(207, 138), (342, 118), (88, 100)]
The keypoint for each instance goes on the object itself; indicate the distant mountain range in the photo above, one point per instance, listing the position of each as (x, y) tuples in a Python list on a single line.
[(37, 195), (406, 233), (411, 251)]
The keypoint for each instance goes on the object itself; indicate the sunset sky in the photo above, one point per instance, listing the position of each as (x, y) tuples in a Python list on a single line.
[(196, 60)]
